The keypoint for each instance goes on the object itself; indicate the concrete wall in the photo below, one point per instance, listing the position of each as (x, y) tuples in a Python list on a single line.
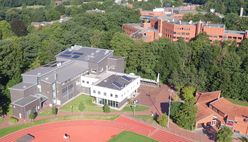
[(116, 64), (16, 94)]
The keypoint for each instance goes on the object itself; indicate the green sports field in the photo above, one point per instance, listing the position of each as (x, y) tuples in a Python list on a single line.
[(130, 137)]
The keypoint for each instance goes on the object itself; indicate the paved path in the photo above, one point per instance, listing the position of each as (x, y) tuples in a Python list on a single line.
[(92, 131)]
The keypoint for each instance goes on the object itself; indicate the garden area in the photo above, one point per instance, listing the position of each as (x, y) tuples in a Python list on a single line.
[(131, 137)]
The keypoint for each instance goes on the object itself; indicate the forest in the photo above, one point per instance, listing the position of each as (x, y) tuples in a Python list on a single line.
[(205, 66)]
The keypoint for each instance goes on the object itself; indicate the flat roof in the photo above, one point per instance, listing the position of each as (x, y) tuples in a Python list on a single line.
[(65, 72), (39, 71), (22, 86), (116, 82), (88, 54), (25, 101), (215, 25), (234, 32)]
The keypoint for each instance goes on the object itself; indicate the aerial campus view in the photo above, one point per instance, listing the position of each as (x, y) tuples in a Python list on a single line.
[(123, 71)]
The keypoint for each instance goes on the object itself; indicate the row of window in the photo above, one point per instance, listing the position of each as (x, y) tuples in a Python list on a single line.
[(87, 82), (186, 29), (181, 33), (105, 94)]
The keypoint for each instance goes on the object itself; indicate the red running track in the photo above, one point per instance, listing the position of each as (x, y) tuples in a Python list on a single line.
[(91, 131)]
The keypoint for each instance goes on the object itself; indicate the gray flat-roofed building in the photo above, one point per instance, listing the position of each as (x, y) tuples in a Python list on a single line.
[(69, 76), (65, 73), (22, 86), (116, 82), (26, 100), (88, 54)]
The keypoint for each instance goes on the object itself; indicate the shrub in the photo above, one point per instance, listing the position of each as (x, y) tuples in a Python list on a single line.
[(224, 135), (162, 120), (33, 115), (54, 110), (106, 108), (81, 106)]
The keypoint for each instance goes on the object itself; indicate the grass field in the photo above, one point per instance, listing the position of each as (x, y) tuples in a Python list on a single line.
[(238, 102), (72, 106), (131, 137), (128, 108), (11, 129)]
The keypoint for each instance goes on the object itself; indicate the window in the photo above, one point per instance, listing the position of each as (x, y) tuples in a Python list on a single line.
[(83, 81), (98, 92), (105, 93), (94, 91), (111, 95), (87, 82), (116, 96)]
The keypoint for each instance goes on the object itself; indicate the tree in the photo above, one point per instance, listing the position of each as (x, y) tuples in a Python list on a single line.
[(106, 108), (19, 28), (224, 134), (81, 106), (188, 93), (162, 120), (33, 115), (54, 110)]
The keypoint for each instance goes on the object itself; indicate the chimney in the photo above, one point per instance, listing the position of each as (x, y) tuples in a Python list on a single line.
[(241, 12)]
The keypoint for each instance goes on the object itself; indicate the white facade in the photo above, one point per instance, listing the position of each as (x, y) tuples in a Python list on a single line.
[(118, 96)]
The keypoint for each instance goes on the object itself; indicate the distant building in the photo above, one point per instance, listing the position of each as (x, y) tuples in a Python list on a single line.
[(77, 70), (167, 23), (95, 11), (39, 25), (214, 110)]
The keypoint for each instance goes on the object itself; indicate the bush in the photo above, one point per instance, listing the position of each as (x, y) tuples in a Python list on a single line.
[(81, 106), (224, 134), (33, 115), (106, 108), (54, 110), (162, 120)]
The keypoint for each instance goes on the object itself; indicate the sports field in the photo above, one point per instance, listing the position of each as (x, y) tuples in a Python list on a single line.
[(131, 137), (94, 131)]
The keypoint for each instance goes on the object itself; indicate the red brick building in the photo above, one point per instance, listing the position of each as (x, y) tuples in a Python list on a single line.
[(215, 111), (167, 24)]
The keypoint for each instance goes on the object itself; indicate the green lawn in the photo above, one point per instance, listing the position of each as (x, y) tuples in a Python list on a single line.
[(1, 119), (130, 137), (12, 129), (128, 108), (146, 118), (87, 101), (238, 102)]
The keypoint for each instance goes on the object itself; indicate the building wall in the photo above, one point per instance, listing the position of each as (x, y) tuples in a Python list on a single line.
[(116, 95), (46, 90), (129, 29), (116, 65), (26, 110), (16, 94), (240, 126), (187, 32), (204, 121), (234, 37), (214, 33), (29, 78)]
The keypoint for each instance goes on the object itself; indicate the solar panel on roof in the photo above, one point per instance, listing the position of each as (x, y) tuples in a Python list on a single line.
[(126, 78), (75, 56), (67, 52), (65, 55), (117, 84), (77, 53)]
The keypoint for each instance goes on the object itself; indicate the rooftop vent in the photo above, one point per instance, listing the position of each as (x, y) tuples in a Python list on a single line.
[(24, 86)]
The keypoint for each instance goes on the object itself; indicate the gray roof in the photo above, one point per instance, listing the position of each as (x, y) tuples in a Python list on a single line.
[(25, 101), (215, 25), (66, 72), (39, 71), (87, 54), (25, 138), (117, 82), (234, 32), (23, 86)]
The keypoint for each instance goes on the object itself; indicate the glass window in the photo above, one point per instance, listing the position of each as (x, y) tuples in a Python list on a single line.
[(116, 96), (99, 92), (94, 91), (87, 82), (83, 81), (105, 93), (111, 95)]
